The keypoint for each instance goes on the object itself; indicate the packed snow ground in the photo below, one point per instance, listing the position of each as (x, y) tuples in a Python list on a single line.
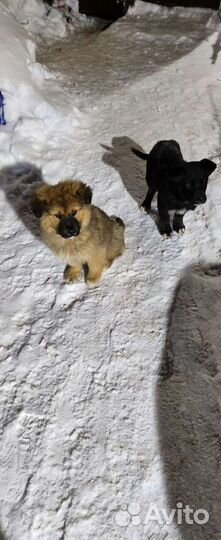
[(91, 434)]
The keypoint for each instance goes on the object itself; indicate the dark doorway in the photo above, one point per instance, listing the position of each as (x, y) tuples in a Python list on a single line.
[(112, 9)]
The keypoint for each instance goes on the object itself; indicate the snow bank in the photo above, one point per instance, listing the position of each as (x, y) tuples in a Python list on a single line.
[(40, 116), (37, 17), (147, 8)]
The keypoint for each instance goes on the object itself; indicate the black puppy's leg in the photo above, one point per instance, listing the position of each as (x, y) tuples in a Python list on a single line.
[(164, 225), (146, 204), (178, 224)]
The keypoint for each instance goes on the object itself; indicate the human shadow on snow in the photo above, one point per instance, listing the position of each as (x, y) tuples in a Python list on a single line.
[(188, 401), (2, 536), (216, 49), (19, 182)]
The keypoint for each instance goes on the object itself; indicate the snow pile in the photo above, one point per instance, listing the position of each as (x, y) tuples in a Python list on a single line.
[(148, 8), (37, 17), (50, 21), (40, 115)]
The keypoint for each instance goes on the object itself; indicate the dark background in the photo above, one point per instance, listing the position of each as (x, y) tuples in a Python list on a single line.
[(112, 9)]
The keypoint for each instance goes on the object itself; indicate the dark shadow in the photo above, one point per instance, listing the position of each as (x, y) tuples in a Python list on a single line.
[(2, 536), (188, 401), (216, 48), (19, 182), (113, 9), (131, 169)]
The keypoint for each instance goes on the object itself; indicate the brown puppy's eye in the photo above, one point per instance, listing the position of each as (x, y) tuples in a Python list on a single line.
[(74, 213), (58, 215)]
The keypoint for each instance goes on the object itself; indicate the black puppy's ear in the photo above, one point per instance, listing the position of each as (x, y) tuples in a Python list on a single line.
[(85, 193), (208, 165)]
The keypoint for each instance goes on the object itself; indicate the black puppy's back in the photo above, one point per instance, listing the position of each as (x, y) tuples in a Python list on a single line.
[(164, 151), (166, 154)]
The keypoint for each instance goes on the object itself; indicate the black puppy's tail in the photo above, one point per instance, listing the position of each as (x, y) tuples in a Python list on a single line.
[(140, 154)]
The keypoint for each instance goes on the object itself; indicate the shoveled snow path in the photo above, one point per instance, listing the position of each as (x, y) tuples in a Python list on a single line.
[(80, 367)]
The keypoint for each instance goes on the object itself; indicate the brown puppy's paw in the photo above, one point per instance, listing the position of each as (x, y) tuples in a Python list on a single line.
[(94, 276), (92, 283), (71, 274)]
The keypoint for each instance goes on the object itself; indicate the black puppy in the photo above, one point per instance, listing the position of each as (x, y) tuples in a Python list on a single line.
[(180, 185)]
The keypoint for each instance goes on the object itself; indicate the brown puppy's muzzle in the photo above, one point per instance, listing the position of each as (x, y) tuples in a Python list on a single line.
[(69, 227)]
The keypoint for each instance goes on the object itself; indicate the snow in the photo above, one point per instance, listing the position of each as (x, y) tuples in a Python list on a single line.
[(36, 17), (39, 113), (91, 434)]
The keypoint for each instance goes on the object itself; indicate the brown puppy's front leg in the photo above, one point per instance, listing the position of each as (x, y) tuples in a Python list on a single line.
[(72, 273), (93, 271), (93, 277), (164, 226), (146, 204), (178, 224)]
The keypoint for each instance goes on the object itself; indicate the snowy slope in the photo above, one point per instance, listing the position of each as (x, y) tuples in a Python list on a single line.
[(39, 113), (91, 434), (36, 17)]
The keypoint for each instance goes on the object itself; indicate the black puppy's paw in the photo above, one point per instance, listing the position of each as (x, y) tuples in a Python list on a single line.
[(180, 229), (165, 230), (144, 208)]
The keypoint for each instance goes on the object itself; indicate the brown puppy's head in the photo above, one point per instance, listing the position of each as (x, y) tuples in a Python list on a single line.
[(59, 206)]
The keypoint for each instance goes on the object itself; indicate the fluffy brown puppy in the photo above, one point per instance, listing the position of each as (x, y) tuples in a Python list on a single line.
[(80, 234)]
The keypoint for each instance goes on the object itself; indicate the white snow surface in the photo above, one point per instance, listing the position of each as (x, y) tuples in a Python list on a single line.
[(38, 111), (36, 17), (110, 397)]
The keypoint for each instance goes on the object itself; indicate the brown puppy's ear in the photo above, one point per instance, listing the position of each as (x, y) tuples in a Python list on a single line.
[(84, 193), (208, 165), (39, 201), (36, 207)]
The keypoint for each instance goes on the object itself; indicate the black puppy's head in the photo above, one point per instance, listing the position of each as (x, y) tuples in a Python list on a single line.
[(190, 181), (196, 179)]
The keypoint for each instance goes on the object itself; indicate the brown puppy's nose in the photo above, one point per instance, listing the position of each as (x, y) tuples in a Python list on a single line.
[(69, 227)]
